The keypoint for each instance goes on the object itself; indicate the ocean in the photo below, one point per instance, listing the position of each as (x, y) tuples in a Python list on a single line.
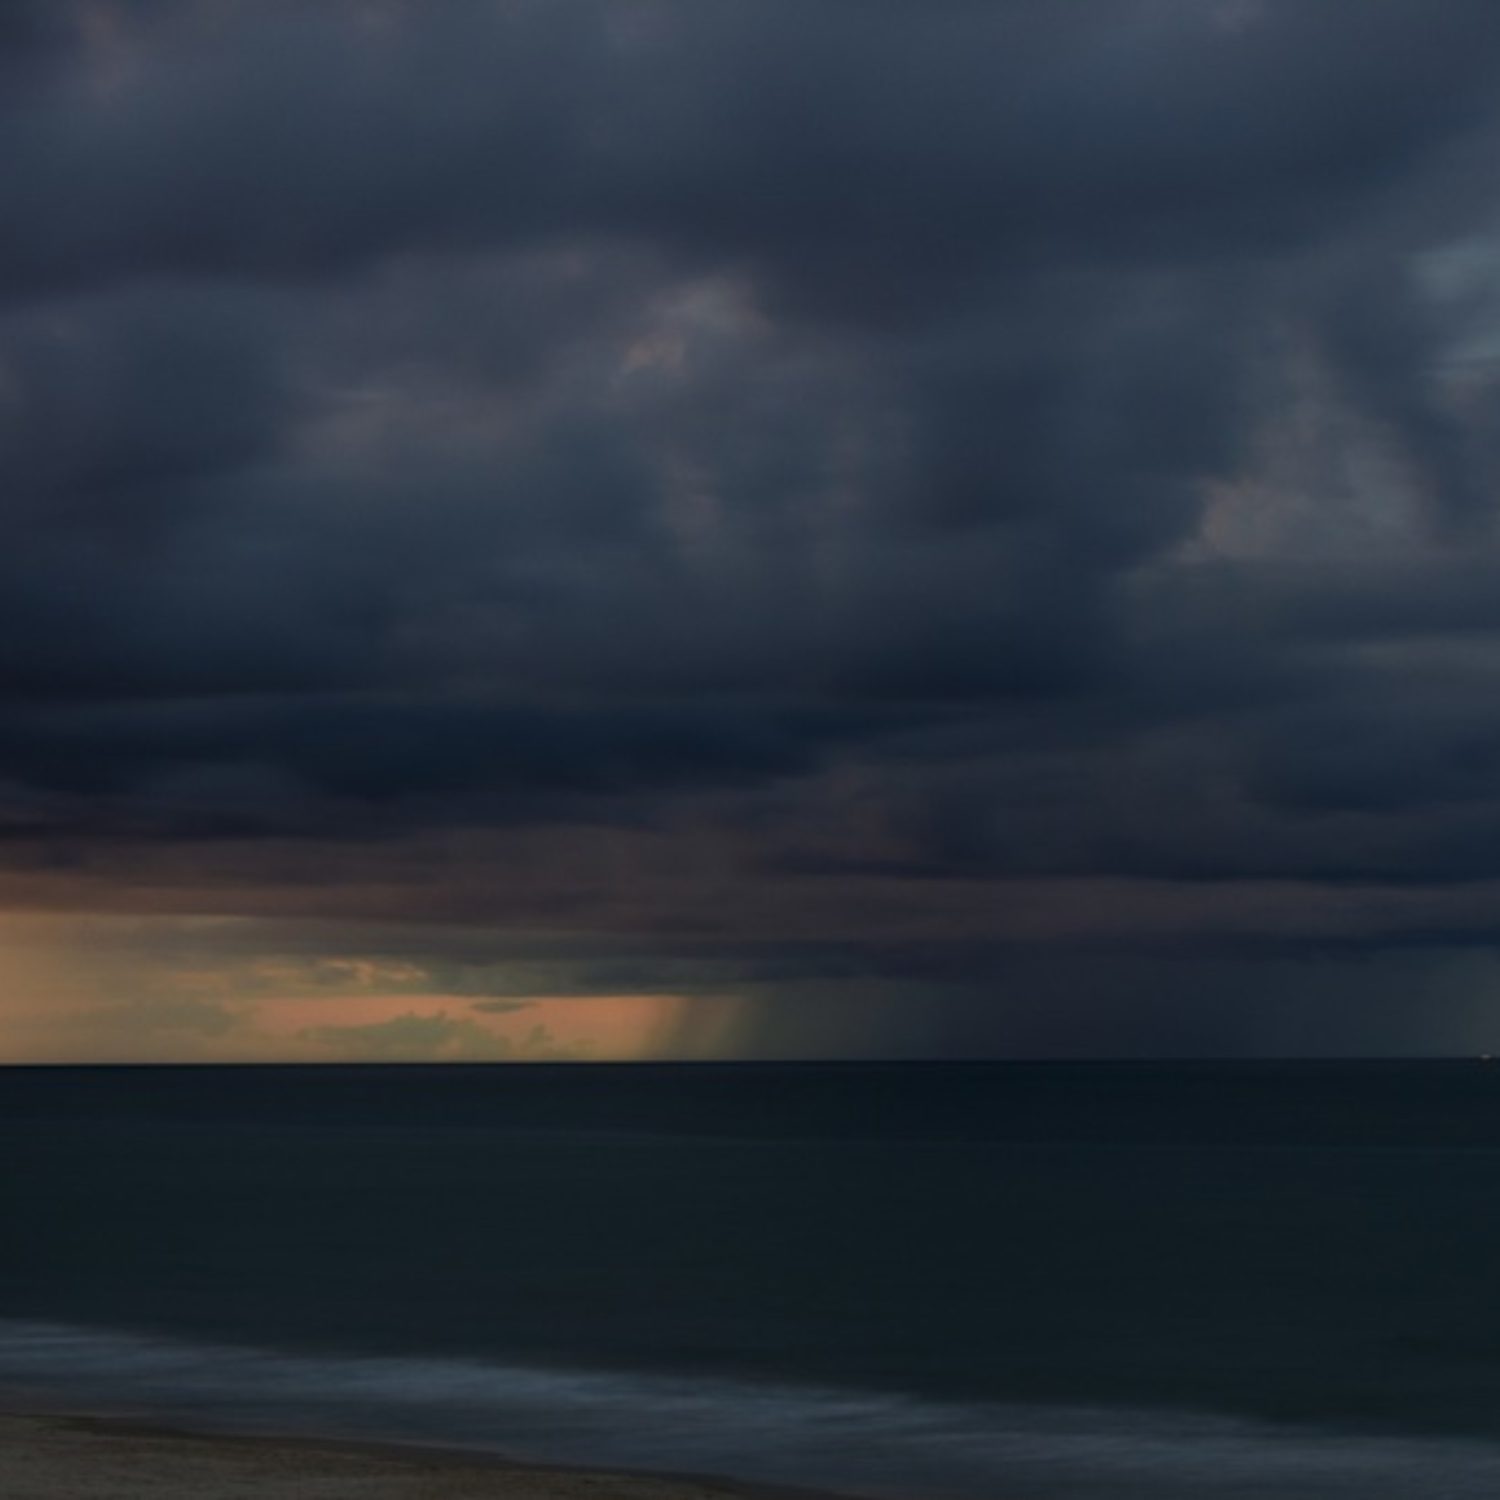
[(928, 1281)]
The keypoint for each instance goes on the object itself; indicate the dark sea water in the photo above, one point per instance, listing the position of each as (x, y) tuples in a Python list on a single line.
[(1000, 1282)]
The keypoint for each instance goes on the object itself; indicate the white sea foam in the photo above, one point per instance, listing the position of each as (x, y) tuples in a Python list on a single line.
[(858, 1441)]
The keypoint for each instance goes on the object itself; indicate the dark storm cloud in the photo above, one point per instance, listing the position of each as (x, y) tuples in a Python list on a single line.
[(114, 406), (841, 142), (33, 31), (880, 449), (273, 765)]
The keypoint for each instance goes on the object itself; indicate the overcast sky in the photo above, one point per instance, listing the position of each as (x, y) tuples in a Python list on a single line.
[(749, 527)]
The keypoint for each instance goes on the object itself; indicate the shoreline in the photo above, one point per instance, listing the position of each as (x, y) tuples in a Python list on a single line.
[(77, 1455)]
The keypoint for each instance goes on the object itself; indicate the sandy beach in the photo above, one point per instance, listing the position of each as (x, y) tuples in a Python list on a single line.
[(86, 1458)]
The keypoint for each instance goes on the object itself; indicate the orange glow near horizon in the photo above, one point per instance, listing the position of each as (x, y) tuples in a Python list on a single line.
[(599, 1027), (82, 990), (355, 1028)]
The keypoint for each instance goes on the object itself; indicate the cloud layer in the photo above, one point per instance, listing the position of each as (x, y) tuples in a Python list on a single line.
[(963, 525)]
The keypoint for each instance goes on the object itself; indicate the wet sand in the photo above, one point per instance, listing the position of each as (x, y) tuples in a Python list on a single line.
[(87, 1458)]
